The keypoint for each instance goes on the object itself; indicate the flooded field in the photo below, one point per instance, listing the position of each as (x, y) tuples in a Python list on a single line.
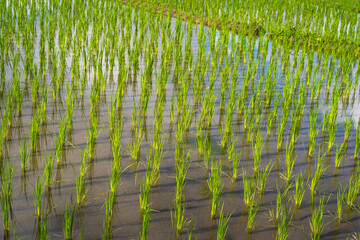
[(123, 122)]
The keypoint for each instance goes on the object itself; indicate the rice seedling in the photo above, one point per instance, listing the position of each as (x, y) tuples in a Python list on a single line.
[(357, 142), (92, 134), (353, 189), (339, 155), (61, 139), (68, 220), (317, 221), (252, 210), (273, 114), (178, 216), (215, 186), (347, 126), (43, 232), (332, 133), (145, 222), (6, 192), (262, 177), (289, 162), (249, 194), (207, 152), (106, 228), (136, 142), (34, 131), (24, 154), (70, 100), (116, 143), (340, 198), (48, 169), (37, 195), (257, 149), (283, 223), (3, 133), (300, 189), (144, 196), (280, 197), (235, 163), (314, 182), (223, 224), (80, 179), (313, 132), (282, 125)]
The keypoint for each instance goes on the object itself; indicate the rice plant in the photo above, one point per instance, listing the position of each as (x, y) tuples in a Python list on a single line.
[(37, 195), (6, 192), (24, 154), (314, 182), (252, 210), (68, 220), (340, 199), (145, 222), (289, 162), (357, 142), (257, 149), (317, 219), (249, 194), (80, 179), (215, 186), (353, 189), (48, 170), (262, 177), (222, 224), (283, 223), (300, 189), (313, 132)]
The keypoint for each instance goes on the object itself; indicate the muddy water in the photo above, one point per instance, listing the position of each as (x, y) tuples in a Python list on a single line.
[(126, 222)]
